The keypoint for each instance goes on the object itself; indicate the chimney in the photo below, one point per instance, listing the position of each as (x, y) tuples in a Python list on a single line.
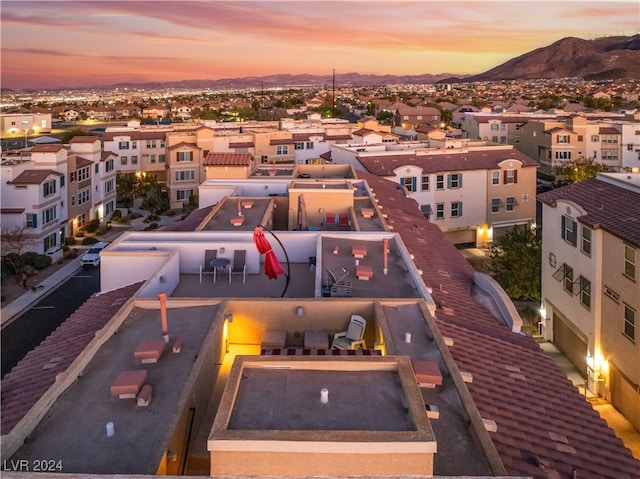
[(163, 315)]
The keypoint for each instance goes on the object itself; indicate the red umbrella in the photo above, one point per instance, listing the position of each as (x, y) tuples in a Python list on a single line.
[(272, 267)]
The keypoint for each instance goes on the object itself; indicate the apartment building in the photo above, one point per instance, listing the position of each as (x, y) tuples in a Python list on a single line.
[(35, 199), (184, 166), (590, 293), (474, 194), (21, 125), (138, 150), (630, 141)]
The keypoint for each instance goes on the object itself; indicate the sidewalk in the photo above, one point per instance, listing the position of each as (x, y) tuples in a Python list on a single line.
[(621, 426)]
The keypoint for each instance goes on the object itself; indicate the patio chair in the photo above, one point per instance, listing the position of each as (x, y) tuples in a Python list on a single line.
[(205, 267), (239, 265), (352, 338), (344, 223), (330, 221)]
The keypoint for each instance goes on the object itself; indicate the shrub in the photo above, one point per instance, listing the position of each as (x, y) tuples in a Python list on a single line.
[(65, 249), (170, 213), (152, 226), (71, 241), (29, 258), (11, 263), (89, 240), (80, 234), (42, 261), (91, 226), (133, 216), (116, 214)]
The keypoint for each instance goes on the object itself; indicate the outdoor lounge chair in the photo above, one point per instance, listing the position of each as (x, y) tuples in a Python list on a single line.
[(344, 223), (330, 221), (239, 265), (352, 338), (205, 267)]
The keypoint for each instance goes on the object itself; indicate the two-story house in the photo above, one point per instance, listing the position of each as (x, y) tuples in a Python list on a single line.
[(590, 275)]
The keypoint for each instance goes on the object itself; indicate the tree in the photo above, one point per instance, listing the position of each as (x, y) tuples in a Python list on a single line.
[(515, 263), (15, 239), (154, 201), (126, 187), (580, 169)]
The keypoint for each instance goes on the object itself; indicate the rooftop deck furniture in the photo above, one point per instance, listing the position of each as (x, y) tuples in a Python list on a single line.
[(359, 251), (364, 272), (218, 263), (273, 339), (341, 289), (352, 338), (239, 265), (316, 339), (205, 267), (428, 373), (149, 350), (127, 383), (344, 223), (330, 221)]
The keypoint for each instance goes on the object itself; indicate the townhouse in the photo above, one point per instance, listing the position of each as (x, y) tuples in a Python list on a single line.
[(590, 293), (474, 194)]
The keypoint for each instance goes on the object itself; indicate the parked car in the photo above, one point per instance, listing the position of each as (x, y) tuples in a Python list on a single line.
[(92, 257)]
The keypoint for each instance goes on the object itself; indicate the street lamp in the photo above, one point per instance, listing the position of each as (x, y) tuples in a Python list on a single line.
[(26, 132)]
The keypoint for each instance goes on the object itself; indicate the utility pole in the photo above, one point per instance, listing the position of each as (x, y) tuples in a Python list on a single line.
[(333, 95)]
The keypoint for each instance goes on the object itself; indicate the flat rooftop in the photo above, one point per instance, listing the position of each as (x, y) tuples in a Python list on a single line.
[(253, 211), (74, 429)]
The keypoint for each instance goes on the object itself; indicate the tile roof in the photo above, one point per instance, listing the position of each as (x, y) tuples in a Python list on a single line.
[(106, 155), (183, 144), (84, 139), (281, 141), (542, 419), (33, 177), (81, 162), (610, 207), (228, 159), (47, 148), (383, 165), (608, 130), (242, 144), (23, 386)]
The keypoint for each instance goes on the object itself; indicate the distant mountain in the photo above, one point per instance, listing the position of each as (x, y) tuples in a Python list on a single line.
[(295, 81), (607, 58)]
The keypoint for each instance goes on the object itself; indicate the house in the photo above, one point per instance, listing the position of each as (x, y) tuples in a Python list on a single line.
[(590, 300)]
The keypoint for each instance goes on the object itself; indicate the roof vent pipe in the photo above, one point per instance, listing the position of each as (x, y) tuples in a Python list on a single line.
[(163, 316), (324, 395)]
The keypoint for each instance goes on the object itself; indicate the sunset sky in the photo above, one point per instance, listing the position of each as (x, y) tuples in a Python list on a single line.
[(52, 44)]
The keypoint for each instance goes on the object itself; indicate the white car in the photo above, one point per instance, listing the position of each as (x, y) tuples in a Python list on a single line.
[(92, 257)]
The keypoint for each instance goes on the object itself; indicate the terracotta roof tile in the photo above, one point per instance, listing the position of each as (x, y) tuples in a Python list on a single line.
[(529, 412), (82, 162), (84, 139), (384, 165), (610, 207), (36, 372), (47, 148), (228, 159), (33, 177)]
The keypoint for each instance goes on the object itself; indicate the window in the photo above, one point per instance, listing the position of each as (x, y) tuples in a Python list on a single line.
[(161, 158), (568, 279), (595, 138), (50, 241), (96, 169), (184, 195), (298, 145), (510, 177), (186, 175), (49, 215), (152, 158), (108, 166), (426, 211), (62, 180), (84, 196), (123, 160), (495, 205), (495, 177), (569, 230), (456, 209), (609, 155), (440, 211), (162, 143), (49, 188), (184, 156), (511, 203), (424, 183), (609, 138), (495, 127), (109, 208), (409, 182), (309, 145), (585, 245), (134, 144), (563, 139), (73, 200), (282, 149), (83, 174), (440, 182), (72, 177), (123, 145), (629, 322), (629, 262), (32, 220), (585, 292), (454, 180), (151, 143), (109, 186), (134, 160), (563, 155)]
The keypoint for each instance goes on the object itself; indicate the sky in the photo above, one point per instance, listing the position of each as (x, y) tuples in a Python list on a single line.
[(54, 44)]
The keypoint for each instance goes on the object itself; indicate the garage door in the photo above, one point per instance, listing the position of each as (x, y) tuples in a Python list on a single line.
[(624, 397), (571, 342), (462, 237)]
